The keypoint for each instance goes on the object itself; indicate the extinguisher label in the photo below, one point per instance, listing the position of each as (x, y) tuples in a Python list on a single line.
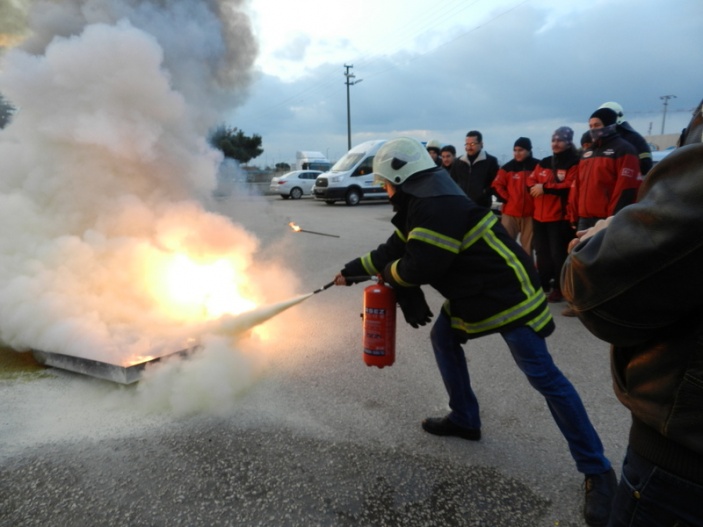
[(375, 311), (374, 352)]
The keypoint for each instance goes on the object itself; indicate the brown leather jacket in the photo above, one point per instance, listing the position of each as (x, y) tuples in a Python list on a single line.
[(638, 284)]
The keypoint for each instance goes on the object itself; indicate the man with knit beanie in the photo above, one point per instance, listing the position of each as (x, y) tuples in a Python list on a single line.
[(609, 173), (549, 186), (511, 187)]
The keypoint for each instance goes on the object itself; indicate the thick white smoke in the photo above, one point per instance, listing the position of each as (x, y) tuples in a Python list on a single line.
[(103, 170)]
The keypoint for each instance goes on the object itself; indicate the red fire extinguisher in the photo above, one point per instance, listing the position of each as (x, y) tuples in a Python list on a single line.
[(379, 325)]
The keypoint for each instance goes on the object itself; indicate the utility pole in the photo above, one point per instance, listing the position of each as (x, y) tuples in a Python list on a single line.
[(665, 98), (349, 82)]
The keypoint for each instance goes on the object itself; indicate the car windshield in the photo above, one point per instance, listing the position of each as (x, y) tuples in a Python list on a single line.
[(347, 162)]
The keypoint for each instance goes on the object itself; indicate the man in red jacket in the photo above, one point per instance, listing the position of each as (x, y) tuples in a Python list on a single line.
[(511, 186), (549, 185), (609, 173)]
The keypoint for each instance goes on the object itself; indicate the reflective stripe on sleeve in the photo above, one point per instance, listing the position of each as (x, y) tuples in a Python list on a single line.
[(434, 238), (369, 267), (396, 276)]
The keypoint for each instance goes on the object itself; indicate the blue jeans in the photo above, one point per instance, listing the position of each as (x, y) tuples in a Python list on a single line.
[(530, 353), (651, 497)]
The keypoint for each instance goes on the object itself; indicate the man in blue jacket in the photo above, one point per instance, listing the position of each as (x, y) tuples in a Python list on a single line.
[(445, 240)]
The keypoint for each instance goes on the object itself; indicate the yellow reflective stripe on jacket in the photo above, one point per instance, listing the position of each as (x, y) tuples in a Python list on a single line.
[(436, 239), (479, 231), (368, 265), (401, 236), (513, 262), (538, 323), (533, 297), (507, 316), (396, 276)]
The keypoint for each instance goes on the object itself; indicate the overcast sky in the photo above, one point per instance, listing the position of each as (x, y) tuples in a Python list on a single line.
[(434, 70)]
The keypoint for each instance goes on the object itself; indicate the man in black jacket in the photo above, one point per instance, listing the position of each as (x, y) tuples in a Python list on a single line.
[(445, 240), (475, 171), (632, 136), (652, 314)]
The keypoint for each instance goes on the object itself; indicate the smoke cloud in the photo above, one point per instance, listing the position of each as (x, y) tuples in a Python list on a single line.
[(105, 173)]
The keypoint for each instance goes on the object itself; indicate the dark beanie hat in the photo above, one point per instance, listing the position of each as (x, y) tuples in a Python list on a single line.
[(586, 138), (523, 142), (564, 133), (606, 116)]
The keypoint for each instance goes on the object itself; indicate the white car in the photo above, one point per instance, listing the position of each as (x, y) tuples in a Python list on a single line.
[(294, 184)]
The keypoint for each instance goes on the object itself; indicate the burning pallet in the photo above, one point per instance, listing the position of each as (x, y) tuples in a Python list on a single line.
[(103, 370)]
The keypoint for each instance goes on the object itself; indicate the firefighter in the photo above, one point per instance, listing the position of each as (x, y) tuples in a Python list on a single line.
[(443, 239)]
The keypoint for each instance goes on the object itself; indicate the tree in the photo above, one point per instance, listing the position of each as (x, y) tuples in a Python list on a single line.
[(282, 167), (6, 111), (236, 145)]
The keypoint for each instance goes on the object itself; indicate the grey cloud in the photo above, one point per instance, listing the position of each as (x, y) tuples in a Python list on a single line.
[(295, 49), (506, 78)]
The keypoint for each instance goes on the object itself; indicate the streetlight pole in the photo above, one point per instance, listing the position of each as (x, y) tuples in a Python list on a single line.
[(349, 82), (665, 98)]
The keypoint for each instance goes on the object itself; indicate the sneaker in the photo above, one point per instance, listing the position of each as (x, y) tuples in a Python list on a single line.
[(442, 426), (555, 296), (600, 491), (568, 312)]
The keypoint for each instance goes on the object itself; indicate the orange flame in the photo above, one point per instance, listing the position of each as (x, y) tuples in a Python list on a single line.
[(295, 227), (194, 291)]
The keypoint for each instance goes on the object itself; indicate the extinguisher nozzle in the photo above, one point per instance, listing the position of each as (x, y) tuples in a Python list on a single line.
[(350, 280), (326, 286)]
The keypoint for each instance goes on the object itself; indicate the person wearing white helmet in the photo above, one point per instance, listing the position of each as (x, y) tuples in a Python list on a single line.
[(445, 240), (434, 148), (629, 134)]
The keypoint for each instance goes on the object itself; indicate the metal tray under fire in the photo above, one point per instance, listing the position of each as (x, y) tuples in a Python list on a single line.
[(102, 370)]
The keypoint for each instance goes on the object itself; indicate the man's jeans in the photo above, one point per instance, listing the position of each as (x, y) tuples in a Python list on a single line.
[(532, 357), (651, 497)]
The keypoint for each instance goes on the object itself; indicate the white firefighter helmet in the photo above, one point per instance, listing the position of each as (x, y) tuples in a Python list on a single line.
[(433, 143), (616, 108), (400, 158)]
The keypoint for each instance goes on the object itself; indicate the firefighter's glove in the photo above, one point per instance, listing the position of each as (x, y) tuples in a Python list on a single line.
[(413, 305)]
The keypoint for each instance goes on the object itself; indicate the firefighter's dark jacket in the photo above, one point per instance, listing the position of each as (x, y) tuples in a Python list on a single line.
[(644, 152), (444, 239), (638, 285)]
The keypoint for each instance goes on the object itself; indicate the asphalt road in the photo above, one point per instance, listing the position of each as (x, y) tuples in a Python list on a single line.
[(317, 438)]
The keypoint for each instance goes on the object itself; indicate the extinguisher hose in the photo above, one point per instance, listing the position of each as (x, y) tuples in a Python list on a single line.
[(350, 279)]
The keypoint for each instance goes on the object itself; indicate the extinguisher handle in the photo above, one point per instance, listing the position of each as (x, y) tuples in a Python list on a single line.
[(358, 279)]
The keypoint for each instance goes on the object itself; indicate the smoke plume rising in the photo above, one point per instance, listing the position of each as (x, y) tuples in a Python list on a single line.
[(105, 168)]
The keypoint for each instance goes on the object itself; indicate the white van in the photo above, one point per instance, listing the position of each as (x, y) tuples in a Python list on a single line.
[(351, 178), (308, 160)]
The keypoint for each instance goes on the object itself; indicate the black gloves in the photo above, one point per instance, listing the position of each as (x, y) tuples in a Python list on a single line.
[(413, 305), (410, 299)]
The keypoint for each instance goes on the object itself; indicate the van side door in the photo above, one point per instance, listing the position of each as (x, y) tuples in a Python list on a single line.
[(365, 175)]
